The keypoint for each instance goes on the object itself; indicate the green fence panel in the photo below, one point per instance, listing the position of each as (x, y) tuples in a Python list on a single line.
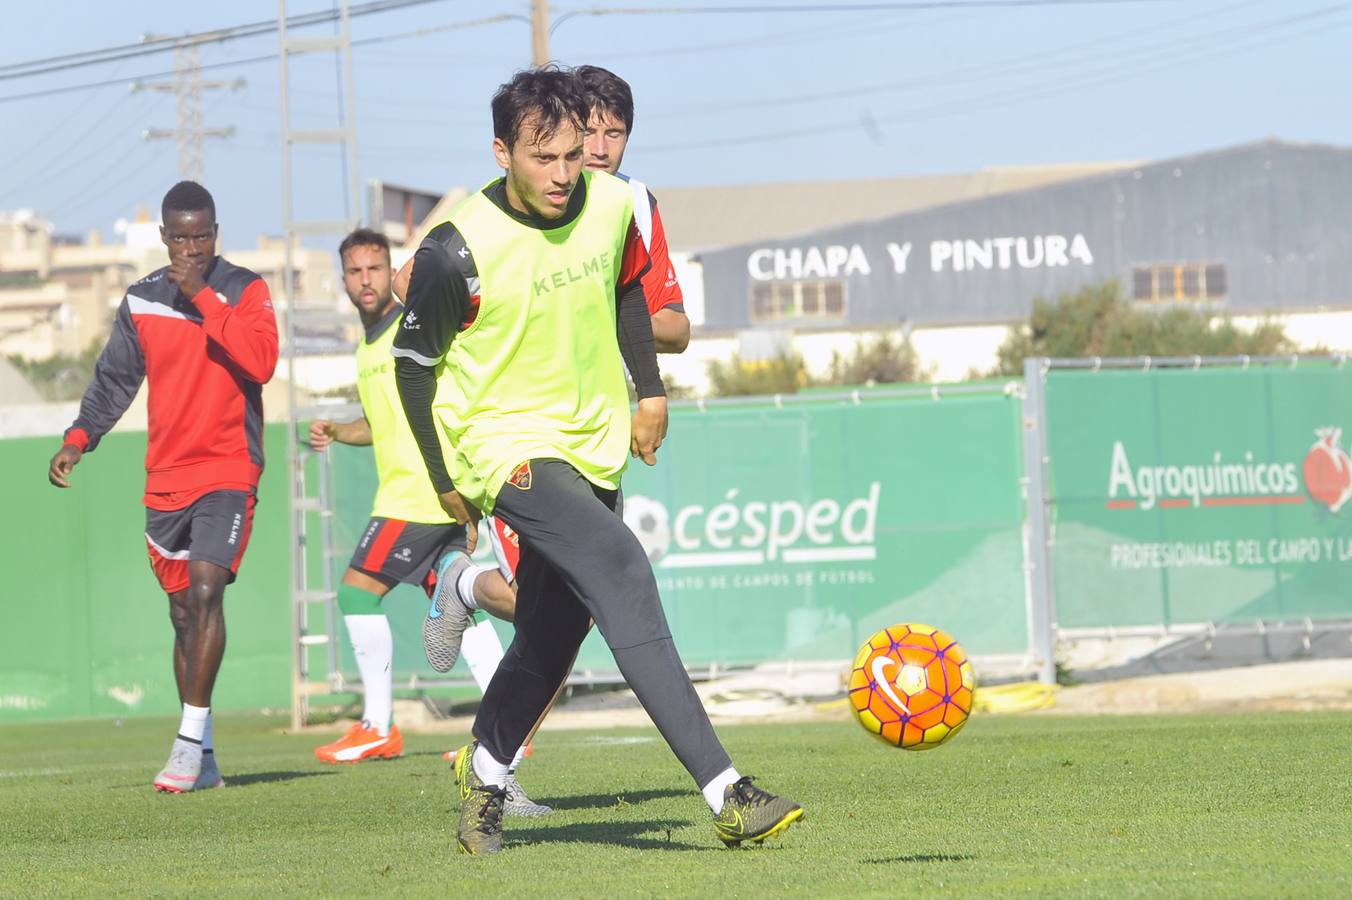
[(84, 627), (793, 533), (1192, 496), (776, 533)]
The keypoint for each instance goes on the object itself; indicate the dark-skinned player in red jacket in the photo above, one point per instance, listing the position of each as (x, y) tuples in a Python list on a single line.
[(202, 335)]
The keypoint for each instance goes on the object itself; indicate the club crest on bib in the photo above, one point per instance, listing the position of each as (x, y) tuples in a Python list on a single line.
[(521, 477)]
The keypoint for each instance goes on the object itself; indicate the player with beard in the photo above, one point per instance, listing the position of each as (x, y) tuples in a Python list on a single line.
[(409, 535)]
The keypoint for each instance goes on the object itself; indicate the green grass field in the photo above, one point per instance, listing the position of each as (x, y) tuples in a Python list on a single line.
[(1242, 805)]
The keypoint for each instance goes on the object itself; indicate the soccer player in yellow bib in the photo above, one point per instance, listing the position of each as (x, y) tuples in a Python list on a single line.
[(409, 538), (526, 385)]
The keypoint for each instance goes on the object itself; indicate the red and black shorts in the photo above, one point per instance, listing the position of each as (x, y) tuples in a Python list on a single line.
[(506, 546), (213, 528), (396, 552)]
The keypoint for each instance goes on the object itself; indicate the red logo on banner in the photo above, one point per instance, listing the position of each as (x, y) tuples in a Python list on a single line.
[(1328, 470)]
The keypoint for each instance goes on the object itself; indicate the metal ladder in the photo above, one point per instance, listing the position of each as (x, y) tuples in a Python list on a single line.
[(312, 598)]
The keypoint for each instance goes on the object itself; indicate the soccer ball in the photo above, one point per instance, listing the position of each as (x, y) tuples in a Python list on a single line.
[(648, 520), (911, 686)]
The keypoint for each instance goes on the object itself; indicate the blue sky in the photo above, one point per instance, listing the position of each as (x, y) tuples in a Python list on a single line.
[(722, 98)]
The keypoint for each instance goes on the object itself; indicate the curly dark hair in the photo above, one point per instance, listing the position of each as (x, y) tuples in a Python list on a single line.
[(554, 94)]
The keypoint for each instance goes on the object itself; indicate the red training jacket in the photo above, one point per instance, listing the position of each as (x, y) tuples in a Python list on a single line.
[(205, 361), (660, 287)]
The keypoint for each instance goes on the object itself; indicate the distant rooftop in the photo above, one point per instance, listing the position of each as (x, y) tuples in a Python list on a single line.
[(714, 216), (701, 218)]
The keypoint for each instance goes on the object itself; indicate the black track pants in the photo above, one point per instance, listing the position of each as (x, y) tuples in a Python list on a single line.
[(579, 561)]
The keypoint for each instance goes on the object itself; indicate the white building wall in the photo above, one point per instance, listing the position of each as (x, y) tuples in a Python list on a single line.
[(1331, 331), (691, 368), (959, 353), (948, 354), (956, 354)]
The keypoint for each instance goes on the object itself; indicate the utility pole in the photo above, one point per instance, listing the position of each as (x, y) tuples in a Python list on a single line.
[(539, 32), (188, 130), (315, 316)]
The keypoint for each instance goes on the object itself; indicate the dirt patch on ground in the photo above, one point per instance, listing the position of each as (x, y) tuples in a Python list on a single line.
[(1293, 686), (1306, 685)]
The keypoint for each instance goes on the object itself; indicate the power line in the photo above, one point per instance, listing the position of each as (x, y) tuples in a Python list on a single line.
[(779, 39), (160, 44), (1052, 58), (89, 133), (1121, 67), (109, 180), (104, 182), (164, 44), (779, 8), (836, 7), (1006, 98), (71, 118), (254, 60), (92, 85), (137, 181)]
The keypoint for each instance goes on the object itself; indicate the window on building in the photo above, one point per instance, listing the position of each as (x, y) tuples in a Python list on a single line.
[(1142, 282), (1189, 282), (773, 301), (18, 278), (1217, 284)]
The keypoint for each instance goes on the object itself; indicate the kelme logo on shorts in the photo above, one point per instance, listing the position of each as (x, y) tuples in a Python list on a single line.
[(521, 477)]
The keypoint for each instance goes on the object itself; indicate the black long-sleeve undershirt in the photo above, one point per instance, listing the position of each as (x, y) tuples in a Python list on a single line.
[(637, 345), (417, 389), (438, 303)]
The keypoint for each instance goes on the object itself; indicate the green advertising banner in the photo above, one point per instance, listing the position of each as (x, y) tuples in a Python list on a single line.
[(84, 626), (795, 532), (1193, 496)]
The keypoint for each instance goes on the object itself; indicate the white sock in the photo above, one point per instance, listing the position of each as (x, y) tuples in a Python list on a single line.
[(516, 760), (489, 770), (464, 585), (373, 647), (481, 649), (207, 745), (194, 722), (713, 791)]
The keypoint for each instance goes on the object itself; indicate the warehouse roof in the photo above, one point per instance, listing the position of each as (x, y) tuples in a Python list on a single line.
[(700, 218)]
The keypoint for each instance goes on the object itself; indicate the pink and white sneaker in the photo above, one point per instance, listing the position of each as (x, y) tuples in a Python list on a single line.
[(181, 772)]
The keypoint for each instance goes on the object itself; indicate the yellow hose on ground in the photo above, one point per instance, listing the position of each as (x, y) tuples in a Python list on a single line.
[(1023, 696)]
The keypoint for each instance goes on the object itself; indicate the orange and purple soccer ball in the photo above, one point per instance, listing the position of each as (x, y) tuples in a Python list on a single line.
[(912, 686)]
